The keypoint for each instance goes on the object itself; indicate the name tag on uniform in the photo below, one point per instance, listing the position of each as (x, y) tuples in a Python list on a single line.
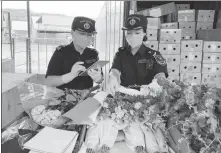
[(91, 61), (149, 64), (142, 61)]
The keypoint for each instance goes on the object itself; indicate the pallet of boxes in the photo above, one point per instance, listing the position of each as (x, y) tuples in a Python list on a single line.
[(164, 37), (211, 61), (211, 69), (173, 30), (191, 49)]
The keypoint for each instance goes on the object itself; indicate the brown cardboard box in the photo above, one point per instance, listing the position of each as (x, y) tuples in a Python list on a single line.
[(152, 44), (212, 46), (211, 79), (186, 15), (209, 35), (212, 69), (152, 35), (166, 49), (191, 45), (205, 15), (173, 77), (172, 59), (191, 77), (170, 35), (204, 25), (182, 6), (191, 57), (173, 69), (173, 25), (153, 23), (194, 67), (212, 58), (159, 10), (187, 25)]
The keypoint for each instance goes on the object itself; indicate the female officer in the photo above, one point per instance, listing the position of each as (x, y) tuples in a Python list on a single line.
[(136, 64)]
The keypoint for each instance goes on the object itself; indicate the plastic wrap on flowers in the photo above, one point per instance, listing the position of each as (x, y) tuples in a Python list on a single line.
[(13, 130), (30, 91), (48, 112)]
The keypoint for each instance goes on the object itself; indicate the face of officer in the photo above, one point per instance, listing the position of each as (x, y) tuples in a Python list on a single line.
[(82, 39), (135, 37)]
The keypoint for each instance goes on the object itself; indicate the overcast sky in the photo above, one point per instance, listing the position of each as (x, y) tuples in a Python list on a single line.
[(71, 8)]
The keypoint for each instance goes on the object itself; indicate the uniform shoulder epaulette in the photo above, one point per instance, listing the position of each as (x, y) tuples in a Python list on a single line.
[(151, 52), (93, 49), (122, 48), (60, 47)]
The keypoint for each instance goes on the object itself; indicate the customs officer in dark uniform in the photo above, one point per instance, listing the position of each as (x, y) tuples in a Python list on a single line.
[(69, 60)]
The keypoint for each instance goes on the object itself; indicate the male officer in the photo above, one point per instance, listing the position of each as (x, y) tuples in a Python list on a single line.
[(69, 60), (136, 64)]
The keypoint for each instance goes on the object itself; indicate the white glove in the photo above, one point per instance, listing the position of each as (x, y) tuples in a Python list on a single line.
[(113, 84), (75, 70), (96, 75)]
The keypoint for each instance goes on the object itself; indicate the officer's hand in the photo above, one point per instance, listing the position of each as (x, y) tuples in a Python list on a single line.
[(113, 84), (77, 68), (96, 75)]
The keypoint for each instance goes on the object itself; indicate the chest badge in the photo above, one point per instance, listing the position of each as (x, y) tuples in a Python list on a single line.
[(149, 64)]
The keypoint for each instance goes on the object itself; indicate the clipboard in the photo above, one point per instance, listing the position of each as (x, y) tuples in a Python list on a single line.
[(93, 66)]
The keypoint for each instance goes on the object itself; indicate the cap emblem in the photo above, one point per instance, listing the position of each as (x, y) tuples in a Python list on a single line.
[(86, 25), (132, 22)]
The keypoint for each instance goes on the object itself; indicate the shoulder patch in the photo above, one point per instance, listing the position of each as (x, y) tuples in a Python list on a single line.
[(159, 59)]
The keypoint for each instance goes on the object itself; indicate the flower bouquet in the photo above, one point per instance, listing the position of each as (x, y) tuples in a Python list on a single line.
[(188, 115)]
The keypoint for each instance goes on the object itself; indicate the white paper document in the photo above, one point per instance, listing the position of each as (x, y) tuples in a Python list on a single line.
[(50, 140)]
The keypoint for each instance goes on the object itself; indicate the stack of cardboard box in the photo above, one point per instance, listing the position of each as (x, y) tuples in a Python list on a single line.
[(191, 57), (169, 47), (152, 33), (211, 70), (172, 30), (186, 19)]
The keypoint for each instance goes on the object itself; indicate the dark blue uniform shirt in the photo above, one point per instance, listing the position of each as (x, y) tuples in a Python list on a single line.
[(139, 69), (64, 58)]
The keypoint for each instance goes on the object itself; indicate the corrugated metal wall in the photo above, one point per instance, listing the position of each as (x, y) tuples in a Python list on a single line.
[(110, 35)]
